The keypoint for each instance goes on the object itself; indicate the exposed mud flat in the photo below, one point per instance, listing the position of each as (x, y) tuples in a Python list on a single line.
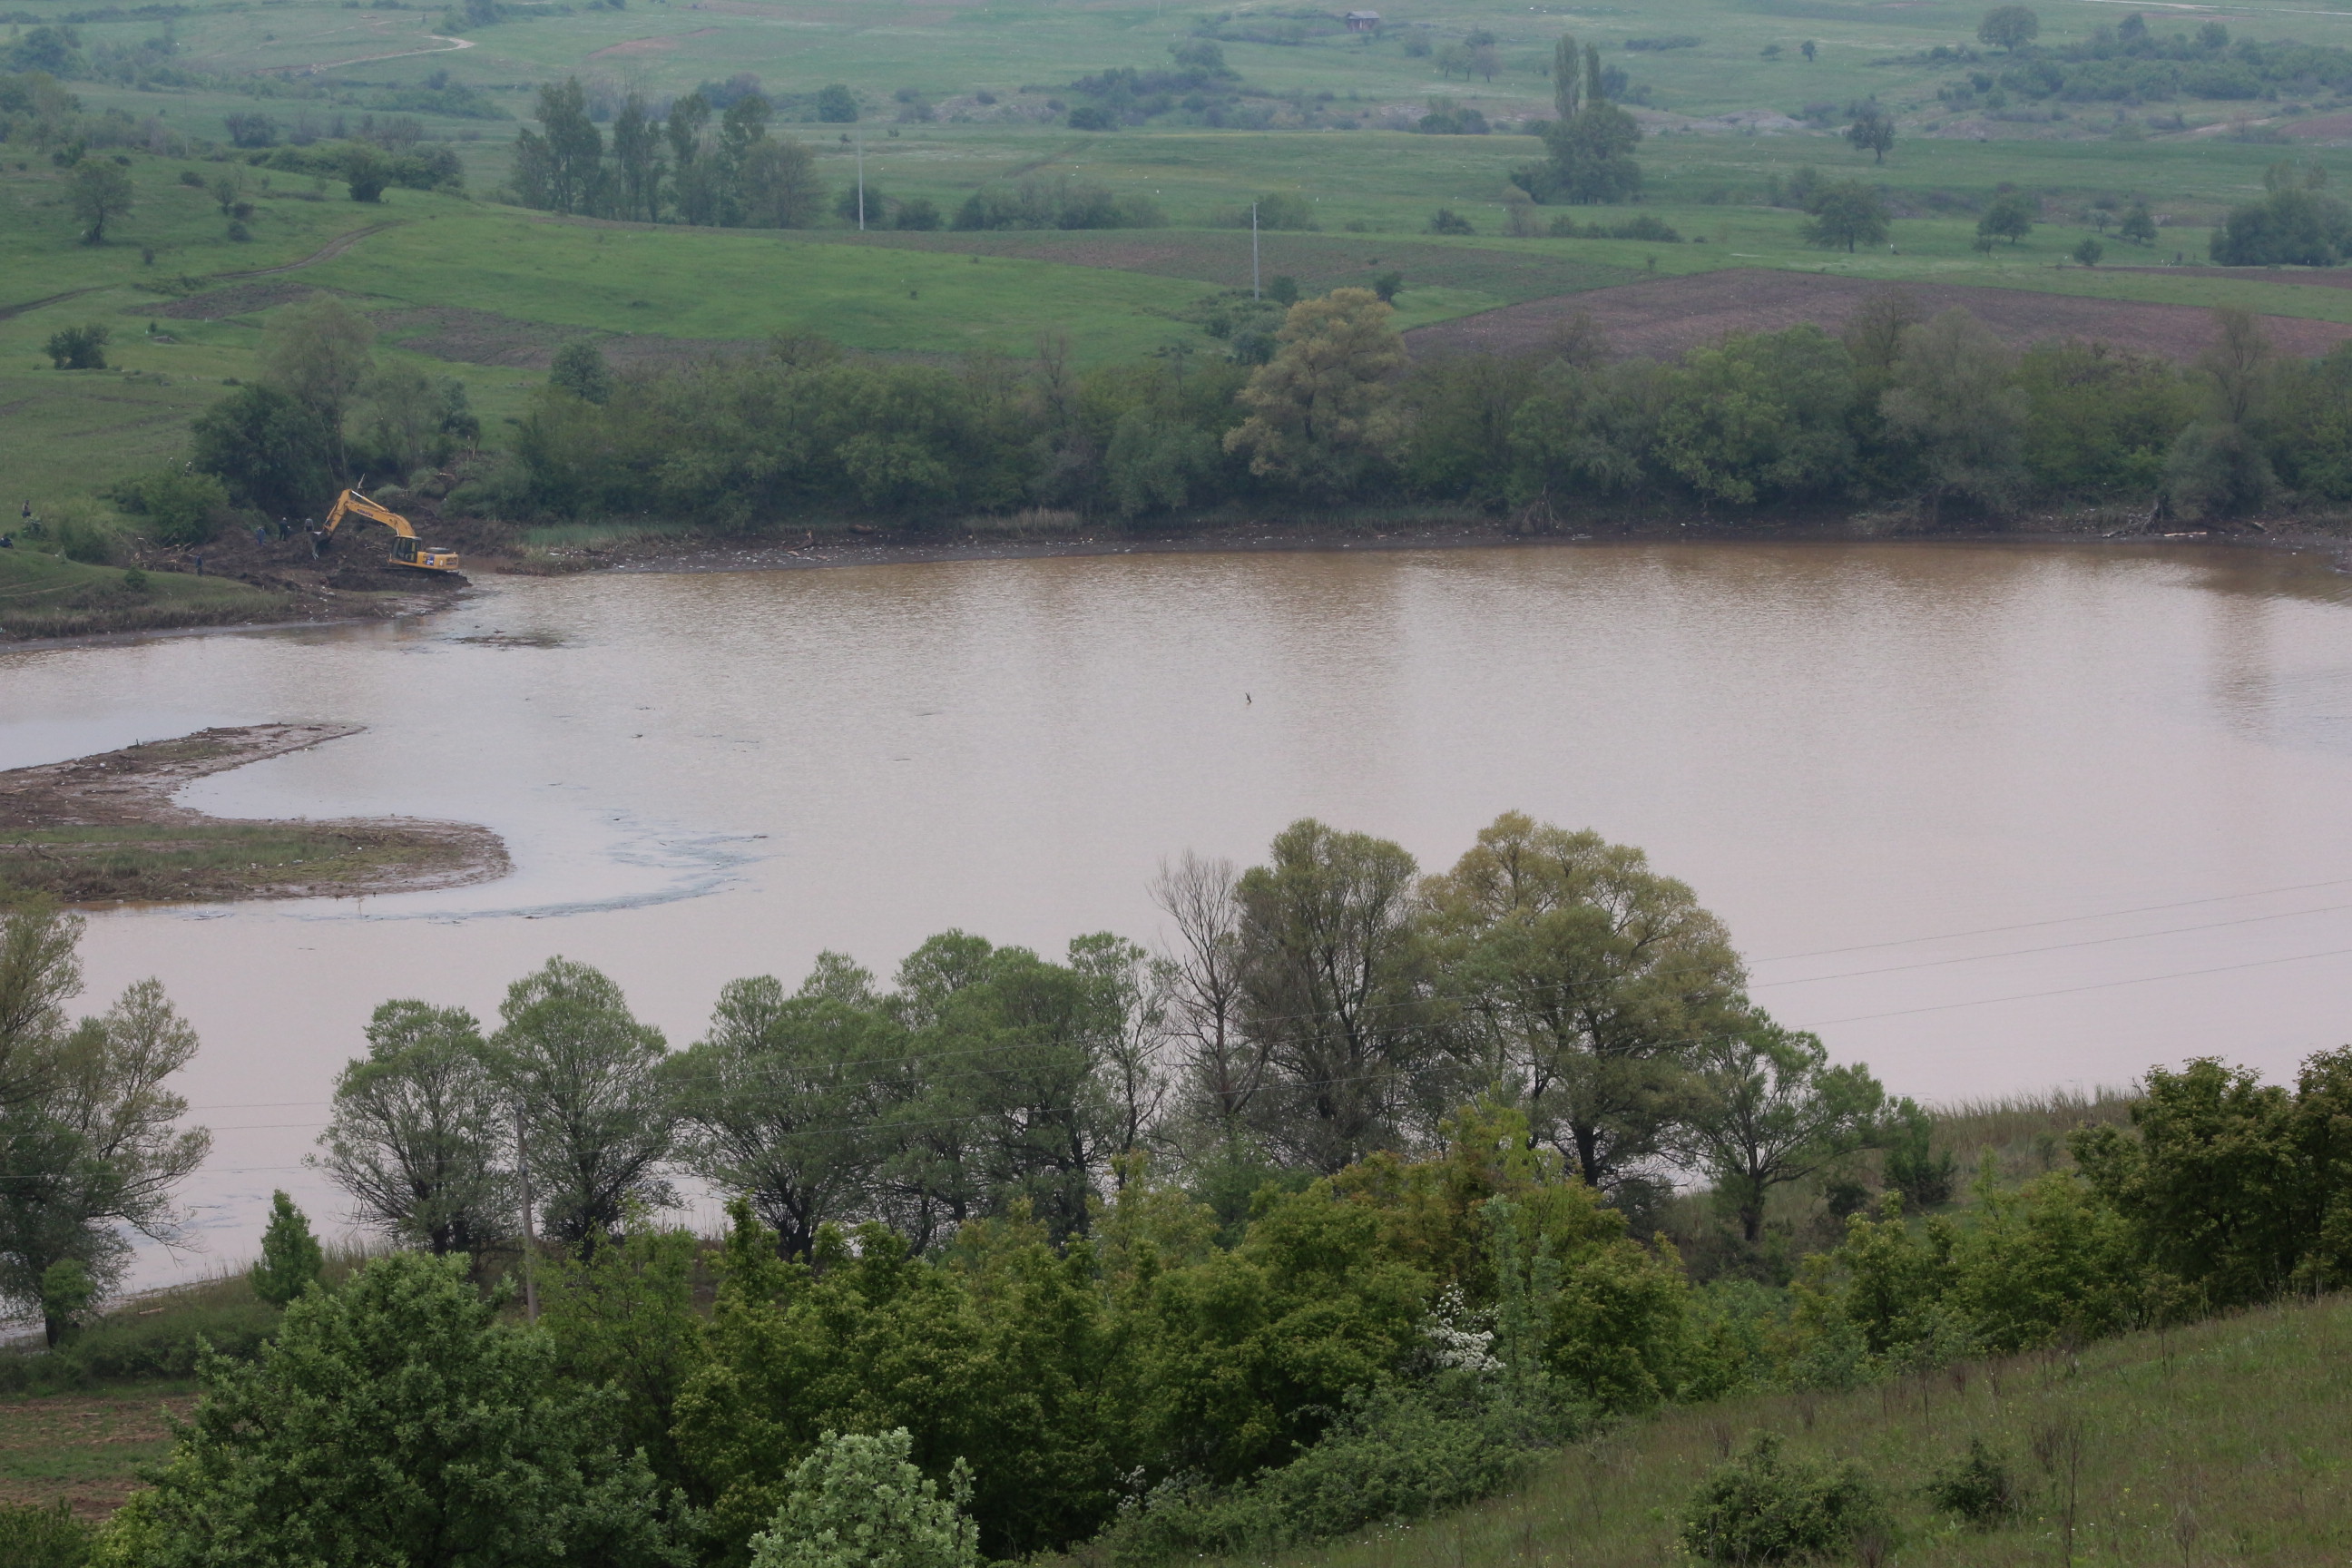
[(104, 830)]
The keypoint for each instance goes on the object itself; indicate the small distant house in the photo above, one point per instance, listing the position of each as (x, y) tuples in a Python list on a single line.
[(1363, 21)]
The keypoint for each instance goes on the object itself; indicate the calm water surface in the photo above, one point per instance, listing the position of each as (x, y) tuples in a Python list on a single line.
[(1989, 818)]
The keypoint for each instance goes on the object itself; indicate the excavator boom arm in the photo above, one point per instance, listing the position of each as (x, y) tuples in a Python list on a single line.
[(352, 504)]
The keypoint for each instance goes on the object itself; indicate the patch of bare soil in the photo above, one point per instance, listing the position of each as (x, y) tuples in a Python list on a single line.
[(1663, 319), (236, 299), (104, 829)]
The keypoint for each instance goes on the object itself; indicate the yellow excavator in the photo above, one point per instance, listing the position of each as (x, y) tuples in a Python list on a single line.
[(405, 550)]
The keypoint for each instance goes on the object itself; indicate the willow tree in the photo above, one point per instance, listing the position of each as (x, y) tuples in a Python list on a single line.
[(1321, 412), (1586, 983)]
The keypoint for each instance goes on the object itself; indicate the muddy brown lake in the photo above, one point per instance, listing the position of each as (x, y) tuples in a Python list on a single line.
[(1989, 817)]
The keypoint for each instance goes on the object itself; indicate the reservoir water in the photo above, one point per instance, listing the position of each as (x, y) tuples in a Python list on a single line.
[(1991, 819)]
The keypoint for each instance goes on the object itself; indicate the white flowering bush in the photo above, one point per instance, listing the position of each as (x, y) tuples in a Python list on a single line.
[(858, 1502)]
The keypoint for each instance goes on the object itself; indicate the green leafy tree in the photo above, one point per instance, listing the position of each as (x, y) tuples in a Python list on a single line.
[(2240, 1188), (580, 371), (835, 104), (89, 1144), (1954, 399), (398, 1422), (1872, 130), (2089, 252), (1591, 144), (2099, 420), (560, 166), (1333, 958), (67, 1292), (1847, 213), (625, 1320), (2009, 216), (100, 191), (637, 159), (291, 1259), (1586, 977), (2009, 28), (318, 352), (1759, 417), (366, 173), (420, 1131), (782, 1099), (270, 450), (1000, 1355), (35, 1537), (1320, 413), (856, 1502), (597, 1124), (693, 182), (1771, 1110), (2139, 225), (779, 185)]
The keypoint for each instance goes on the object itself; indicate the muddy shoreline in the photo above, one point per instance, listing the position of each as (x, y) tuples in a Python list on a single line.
[(104, 830), (769, 556), (866, 546)]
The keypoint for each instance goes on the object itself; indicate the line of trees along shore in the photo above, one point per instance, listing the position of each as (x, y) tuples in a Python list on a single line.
[(1935, 417), (1329, 1213)]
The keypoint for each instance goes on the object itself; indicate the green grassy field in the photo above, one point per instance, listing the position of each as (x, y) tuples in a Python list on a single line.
[(481, 290), (2221, 1444)]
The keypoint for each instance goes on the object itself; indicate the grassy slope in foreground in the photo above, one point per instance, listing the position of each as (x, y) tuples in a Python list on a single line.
[(2221, 1442)]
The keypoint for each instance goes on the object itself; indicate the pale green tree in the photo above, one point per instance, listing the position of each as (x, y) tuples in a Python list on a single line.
[(94, 1149), (860, 1502), (319, 352), (1954, 397), (1321, 413), (396, 1422)]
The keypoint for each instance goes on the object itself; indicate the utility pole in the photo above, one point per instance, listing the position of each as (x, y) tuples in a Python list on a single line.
[(530, 1237), (861, 179), (1254, 294)]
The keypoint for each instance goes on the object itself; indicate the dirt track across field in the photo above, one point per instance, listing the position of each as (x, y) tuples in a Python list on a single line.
[(104, 829), (1663, 319)]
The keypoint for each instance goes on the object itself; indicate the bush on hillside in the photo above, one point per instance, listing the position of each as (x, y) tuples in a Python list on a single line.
[(1395, 1456), (180, 506), (1764, 1507), (1977, 1486)]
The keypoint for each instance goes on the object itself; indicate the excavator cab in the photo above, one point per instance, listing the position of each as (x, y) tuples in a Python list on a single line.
[(406, 550)]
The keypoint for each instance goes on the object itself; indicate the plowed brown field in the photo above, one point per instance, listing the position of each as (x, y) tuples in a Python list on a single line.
[(1663, 319)]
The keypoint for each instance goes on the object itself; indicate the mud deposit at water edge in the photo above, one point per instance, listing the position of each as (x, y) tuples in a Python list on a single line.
[(103, 829)]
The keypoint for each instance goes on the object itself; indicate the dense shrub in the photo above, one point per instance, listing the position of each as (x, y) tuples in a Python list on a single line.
[(179, 506), (1977, 1486), (33, 1537), (1394, 1457), (1765, 1507)]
